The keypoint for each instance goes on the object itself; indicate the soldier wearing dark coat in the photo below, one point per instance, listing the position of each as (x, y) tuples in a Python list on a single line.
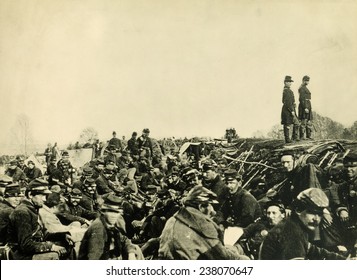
[(12, 197), (25, 235), (288, 112), (74, 212), (133, 145), (104, 240), (90, 200), (346, 210), (239, 208), (48, 153), (15, 172), (305, 110), (32, 171), (115, 142), (293, 238), (104, 182), (65, 168), (213, 181), (145, 144)]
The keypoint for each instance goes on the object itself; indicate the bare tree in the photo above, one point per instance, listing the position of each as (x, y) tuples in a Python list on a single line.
[(276, 132), (88, 135), (22, 135)]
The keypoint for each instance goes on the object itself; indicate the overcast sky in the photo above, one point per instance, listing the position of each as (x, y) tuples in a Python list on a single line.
[(181, 68)]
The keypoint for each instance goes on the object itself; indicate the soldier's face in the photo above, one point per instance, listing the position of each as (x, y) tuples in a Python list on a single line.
[(91, 189), (209, 175), (100, 166), (38, 199), (351, 171), (287, 162), (13, 200), (75, 200), (288, 84), (111, 217), (233, 185), (310, 219), (274, 215), (110, 166)]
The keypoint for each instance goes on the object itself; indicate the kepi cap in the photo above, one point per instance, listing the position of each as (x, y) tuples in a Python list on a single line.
[(350, 160), (38, 186), (12, 190), (112, 203), (232, 174)]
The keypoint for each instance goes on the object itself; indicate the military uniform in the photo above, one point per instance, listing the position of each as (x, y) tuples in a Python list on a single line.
[(16, 174), (65, 170), (305, 111), (288, 113), (26, 235), (133, 146), (77, 213), (5, 211), (239, 209), (33, 173), (102, 243), (290, 240), (115, 142)]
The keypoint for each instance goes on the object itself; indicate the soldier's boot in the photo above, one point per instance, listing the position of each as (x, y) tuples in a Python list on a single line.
[(308, 133), (287, 133), (296, 132), (302, 132)]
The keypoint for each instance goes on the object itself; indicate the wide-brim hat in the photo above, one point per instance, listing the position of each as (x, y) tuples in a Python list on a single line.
[(288, 79)]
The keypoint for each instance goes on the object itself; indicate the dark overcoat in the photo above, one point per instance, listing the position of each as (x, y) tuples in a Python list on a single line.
[(288, 108), (304, 103)]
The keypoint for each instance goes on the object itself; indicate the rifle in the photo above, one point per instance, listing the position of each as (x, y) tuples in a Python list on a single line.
[(325, 157)]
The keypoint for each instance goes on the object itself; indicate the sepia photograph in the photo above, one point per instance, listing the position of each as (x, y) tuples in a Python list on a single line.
[(178, 130)]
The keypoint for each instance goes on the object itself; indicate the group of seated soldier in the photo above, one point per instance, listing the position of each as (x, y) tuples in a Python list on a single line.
[(121, 206)]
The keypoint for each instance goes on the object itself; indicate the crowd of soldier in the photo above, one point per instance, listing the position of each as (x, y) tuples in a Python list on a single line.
[(129, 205)]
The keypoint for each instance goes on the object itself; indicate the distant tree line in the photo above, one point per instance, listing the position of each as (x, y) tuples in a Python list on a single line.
[(323, 128)]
